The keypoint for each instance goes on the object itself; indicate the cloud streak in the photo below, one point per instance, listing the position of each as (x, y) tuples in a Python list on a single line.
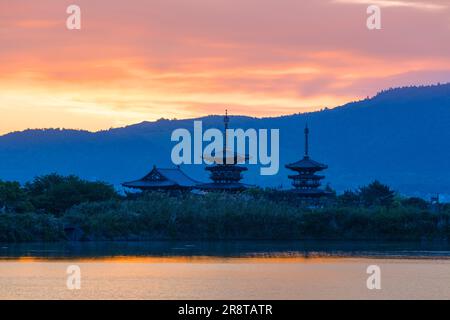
[(187, 58)]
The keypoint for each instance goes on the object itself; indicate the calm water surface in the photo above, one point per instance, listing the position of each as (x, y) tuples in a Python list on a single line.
[(231, 270)]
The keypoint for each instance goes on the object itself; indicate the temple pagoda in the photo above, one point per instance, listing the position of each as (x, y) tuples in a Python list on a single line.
[(225, 172), (306, 182), (162, 179)]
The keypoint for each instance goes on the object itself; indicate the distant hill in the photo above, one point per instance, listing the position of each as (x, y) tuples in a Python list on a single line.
[(400, 136)]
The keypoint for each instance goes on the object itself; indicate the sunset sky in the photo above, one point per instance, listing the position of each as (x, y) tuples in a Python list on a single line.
[(142, 60)]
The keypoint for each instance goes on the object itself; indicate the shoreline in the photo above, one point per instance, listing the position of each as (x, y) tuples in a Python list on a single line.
[(258, 250)]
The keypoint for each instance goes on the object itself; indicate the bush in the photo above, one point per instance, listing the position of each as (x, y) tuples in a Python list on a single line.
[(376, 194), (55, 194), (30, 227), (13, 198)]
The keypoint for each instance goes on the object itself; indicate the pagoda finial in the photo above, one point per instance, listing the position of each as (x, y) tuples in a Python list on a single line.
[(226, 121), (306, 140)]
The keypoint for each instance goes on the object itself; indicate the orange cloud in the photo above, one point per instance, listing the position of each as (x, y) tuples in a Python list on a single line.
[(186, 58)]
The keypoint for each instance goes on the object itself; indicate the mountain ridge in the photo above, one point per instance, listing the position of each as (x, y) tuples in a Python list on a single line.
[(400, 136)]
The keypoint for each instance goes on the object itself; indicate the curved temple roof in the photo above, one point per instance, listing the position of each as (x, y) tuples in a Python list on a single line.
[(306, 163), (163, 178)]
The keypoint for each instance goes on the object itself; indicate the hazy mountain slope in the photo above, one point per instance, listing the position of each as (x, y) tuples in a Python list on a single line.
[(401, 137)]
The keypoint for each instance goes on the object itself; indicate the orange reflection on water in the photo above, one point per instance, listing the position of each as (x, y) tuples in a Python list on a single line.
[(282, 258)]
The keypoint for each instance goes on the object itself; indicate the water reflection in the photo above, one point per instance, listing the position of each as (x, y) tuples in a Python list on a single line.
[(229, 249)]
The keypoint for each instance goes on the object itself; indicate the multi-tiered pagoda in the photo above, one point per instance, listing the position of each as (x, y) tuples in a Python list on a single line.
[(225, 173), (306, 182)]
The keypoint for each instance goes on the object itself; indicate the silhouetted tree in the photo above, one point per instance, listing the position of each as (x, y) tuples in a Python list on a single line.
[(13, 198), (376, 194), (349, 198), (55, 193)]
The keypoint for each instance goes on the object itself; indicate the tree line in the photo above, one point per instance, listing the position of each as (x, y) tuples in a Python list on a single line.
[(58, 208)]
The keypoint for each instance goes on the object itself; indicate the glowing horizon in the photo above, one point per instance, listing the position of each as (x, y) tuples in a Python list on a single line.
[(145, 60)]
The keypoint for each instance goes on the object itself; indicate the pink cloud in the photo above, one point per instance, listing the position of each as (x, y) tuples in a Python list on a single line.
[(264, 57)]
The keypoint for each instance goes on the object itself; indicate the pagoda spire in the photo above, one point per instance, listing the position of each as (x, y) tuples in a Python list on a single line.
[(306, 140), (306, 181), (225, 175), (226, 121)]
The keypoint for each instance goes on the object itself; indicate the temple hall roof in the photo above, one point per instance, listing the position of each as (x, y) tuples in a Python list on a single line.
[(163, 178)]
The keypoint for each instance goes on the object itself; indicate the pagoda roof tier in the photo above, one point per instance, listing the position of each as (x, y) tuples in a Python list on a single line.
[(228, 157), (306, 177), (226, 168), (217, 186), (306, 164), (163, 178)]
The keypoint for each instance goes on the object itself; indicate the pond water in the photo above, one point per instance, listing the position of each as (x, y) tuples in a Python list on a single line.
[(225, 270)]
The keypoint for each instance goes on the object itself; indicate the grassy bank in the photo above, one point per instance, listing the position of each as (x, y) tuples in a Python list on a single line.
[(54, 208), (222, 217)]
